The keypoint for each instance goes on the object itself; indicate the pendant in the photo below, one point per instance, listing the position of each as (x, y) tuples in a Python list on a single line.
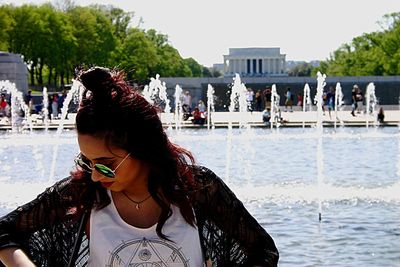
[(137, 207)]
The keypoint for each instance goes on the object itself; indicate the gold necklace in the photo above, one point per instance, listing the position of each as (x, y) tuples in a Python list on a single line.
[(136, 202)]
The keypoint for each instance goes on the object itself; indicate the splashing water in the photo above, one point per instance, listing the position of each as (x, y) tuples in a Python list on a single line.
[(178, 106), (338, 102), (320, 153), (238, 101), (306, 100), (275, 110), (156, 93), (45, 111), (19, 110), (307, 103), (164, 98), (371, 102), (75, 89), (210, 105)]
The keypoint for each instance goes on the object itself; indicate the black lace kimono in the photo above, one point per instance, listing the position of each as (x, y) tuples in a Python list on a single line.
[(50, 229)]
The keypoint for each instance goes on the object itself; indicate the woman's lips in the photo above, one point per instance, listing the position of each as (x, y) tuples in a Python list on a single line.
[(106, 184)]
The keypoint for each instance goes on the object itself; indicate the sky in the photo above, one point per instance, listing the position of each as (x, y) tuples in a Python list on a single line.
[(304, 30)]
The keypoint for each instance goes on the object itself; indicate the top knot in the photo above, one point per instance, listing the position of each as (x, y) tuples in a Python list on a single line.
[(95, 78), (99, 85)]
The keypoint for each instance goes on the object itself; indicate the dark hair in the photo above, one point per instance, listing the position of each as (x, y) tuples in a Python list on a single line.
[(112, 110)]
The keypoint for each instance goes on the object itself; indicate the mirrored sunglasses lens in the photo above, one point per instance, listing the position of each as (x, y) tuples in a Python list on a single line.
[(104, 170), (79, 162)]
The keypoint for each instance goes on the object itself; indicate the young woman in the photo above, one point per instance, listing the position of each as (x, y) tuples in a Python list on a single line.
[(135, 199)]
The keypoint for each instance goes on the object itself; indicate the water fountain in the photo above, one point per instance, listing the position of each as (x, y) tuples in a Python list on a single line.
[(320, 154), (338, 102), (283, 177), (210, 106), (275, 110), (178, 107), (76, 89), (306, 100), (156, 93), (307, 104), (371, 102), (45, 110), (238, 102), (20, 112)]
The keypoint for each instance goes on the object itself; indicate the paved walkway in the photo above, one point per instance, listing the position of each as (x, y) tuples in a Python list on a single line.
[(222, 119)]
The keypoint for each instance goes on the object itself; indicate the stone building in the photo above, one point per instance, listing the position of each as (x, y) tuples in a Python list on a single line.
[(13, 69), (255, 62)]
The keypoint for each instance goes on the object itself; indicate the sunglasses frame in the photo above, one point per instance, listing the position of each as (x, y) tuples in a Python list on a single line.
[(100, 168)]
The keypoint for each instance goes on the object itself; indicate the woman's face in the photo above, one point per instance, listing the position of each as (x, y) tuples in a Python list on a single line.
[(131, 174)]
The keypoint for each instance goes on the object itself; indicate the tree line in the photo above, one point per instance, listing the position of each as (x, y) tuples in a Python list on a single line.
[(54, 41), (371, 54)]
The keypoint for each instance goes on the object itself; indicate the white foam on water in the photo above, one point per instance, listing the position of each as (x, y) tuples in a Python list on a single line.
[(290, 193)]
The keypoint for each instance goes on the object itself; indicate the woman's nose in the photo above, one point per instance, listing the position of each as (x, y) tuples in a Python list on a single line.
[(96, 176)]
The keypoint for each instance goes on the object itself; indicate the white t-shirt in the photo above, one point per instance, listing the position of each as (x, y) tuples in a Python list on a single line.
[(187, 100), (113, 242)]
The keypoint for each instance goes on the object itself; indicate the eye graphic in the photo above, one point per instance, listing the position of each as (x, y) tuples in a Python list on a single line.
[(144, 254)]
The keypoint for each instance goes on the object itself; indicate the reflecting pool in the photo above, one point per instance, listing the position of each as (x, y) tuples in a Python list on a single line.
[(275, 173)]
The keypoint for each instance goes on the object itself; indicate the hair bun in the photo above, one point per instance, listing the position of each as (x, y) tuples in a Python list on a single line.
[(95, 78)]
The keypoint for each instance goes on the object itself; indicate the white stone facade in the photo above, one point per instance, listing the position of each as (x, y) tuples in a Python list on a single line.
[(255, 62)]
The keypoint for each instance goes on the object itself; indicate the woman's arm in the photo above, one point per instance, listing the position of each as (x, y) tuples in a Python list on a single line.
[(30, 227), (30, 217), (15, 257)]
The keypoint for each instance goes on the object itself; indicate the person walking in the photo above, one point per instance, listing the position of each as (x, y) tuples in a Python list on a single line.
[(359, 99), (289, 100), (330, 100), (354, 99)]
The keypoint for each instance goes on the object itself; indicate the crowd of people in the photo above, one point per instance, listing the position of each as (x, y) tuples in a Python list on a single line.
[(259, 101)]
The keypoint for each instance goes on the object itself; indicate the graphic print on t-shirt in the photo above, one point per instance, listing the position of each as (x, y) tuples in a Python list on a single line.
[(145, 253)]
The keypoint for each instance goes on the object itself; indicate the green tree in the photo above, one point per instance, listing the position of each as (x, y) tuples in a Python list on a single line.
[(137, 56), (169, 63), (210, 72), (389, 44), (5, 26), (61, 47), (94, 34), (301, 70), (196, 68), (376, 53), (55, 39), (28, 37)]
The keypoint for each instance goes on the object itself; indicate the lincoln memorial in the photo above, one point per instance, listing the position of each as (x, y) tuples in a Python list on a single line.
[(255, 61)]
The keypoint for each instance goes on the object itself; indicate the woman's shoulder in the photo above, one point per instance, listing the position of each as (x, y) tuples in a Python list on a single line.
[(68, 188), (206, 180), (203, 175)]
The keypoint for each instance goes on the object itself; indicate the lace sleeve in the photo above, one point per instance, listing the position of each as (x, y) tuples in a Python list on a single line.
[(248, 244), (45, 228)]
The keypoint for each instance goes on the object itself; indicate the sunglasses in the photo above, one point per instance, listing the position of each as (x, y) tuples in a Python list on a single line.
[(81, 162)]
